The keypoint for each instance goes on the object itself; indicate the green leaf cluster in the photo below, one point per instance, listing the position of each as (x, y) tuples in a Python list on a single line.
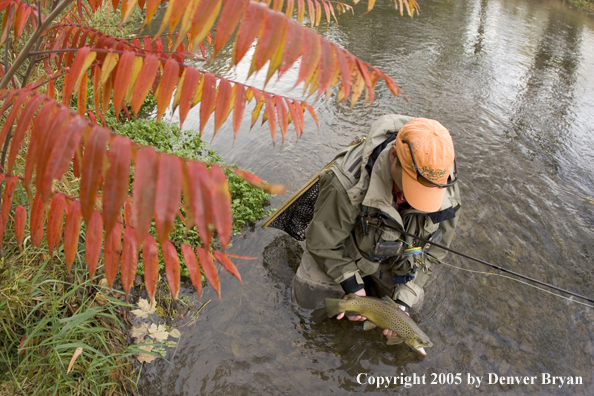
[(248, 202)]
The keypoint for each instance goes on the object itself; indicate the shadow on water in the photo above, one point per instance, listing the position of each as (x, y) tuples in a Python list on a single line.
[(513, 82)]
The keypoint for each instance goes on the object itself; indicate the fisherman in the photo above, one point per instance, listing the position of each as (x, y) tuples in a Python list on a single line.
[(401, 177)]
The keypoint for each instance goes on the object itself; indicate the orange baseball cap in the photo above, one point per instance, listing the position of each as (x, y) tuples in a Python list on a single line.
[(428, 144)]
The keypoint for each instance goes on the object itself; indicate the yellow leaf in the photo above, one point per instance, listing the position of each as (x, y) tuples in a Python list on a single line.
[(76, 354), (88, 60), (110, 62), (136, 67)]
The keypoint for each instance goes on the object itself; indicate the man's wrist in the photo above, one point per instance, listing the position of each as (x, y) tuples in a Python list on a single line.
[(351, 285), (403, 306)]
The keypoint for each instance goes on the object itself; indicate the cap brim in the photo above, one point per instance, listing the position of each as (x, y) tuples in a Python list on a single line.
[(420, 197)]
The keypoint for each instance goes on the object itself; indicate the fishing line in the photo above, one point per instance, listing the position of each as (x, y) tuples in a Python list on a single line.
[(497, 267), (570, 299)]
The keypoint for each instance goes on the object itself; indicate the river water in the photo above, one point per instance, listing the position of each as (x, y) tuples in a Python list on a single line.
[(513, 81)]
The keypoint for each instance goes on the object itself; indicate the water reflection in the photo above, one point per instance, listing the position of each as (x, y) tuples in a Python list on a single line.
[(512, 81)]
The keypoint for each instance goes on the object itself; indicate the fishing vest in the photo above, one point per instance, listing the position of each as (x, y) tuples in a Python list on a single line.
[(364, 172)]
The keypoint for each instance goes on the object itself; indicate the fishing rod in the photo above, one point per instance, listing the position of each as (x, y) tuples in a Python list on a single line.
[(497, 267)]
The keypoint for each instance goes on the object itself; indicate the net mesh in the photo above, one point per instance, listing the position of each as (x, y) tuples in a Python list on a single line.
[(295, 218)]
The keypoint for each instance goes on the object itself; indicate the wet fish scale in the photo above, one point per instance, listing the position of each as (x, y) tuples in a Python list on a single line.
[(384, 313)]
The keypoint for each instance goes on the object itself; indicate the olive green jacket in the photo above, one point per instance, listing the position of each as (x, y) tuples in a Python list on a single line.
[(337, 236)]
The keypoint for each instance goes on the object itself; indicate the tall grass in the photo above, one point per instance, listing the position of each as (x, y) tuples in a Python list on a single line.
[(44, 319)]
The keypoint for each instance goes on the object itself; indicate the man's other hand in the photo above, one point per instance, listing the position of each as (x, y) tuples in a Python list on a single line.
[(358, 317)]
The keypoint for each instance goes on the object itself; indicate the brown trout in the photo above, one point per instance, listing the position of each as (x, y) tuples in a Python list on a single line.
[(384, 313)]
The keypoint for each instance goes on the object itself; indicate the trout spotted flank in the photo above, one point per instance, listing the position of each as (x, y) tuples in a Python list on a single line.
[(384, 313)]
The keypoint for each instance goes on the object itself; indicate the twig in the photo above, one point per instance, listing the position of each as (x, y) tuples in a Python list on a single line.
[(23, 55)]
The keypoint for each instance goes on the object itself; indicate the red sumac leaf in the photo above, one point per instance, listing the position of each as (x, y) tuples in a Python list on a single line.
[(7, 197), (145, 181), (112, 252), (171, 267), (144, 81), (251, 25), (115, 190), (92, 168), (129, 259), (93, 242), (193, 267), (238, 108), (223, 104), (209, 94), (169, 80), (199, 181), (71, 233), (232, 12), (62, 152), (168, 194), (122, 80), (271, 115), (19, 133), (221, 198), (37, 219), (188, 91), (20, 220), (227, 264), (209, 268), (55, 222), (150, 260)]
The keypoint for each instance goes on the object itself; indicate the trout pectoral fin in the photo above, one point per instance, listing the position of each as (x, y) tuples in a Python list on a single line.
[(422, 351), (395, 340), (367, 325)]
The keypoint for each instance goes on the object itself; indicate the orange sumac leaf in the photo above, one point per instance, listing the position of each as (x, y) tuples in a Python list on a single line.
[(144, 81), (227, 264), (45, 145), (71, 233), (168, 194), (93, 241), (92, 168), (232, 12), (221, 198), (111, 253), (256, 181), (271, 115), (145, 181), (311, 55), (7, 197), (20, 220), (42, 120), (169, 80), (37, 219), (223, 104), (193, 267), (293, 46), (200, 182), (62, 152), (122, 80), (238, 108), (129, 259), (283, 119), (251, 25), (209, 268), (188, 91), (150, 260), (83, 60), (209, 94), (171, 267), (22, 127), (55, 222), (115, 190)]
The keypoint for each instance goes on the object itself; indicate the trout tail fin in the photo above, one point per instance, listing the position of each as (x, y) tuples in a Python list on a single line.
[(332, 308)]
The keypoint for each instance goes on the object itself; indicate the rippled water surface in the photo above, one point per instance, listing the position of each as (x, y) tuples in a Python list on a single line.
[(513, 81)]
